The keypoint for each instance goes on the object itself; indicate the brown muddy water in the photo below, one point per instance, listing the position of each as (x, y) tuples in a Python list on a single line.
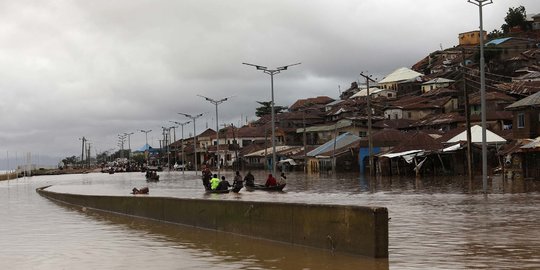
[(440, 223)]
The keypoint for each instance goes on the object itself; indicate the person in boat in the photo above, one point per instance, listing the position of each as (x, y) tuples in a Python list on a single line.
[(270, 181), (223, 184), (282, 179), (143, 190), (238, 182), (206, 176), (214, 182), (249, 179)]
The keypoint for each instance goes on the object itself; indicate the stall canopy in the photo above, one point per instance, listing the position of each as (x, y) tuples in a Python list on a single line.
[(476, 136)]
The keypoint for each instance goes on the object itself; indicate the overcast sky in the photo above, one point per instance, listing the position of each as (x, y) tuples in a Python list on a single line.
[(97, 69)]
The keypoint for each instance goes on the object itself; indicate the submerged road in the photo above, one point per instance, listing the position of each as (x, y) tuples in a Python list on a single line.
[(435, 223)]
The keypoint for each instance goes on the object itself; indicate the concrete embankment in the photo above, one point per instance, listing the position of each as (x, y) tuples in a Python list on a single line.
[(349, 229)]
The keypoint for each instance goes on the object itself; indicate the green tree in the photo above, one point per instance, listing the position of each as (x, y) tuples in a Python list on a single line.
[(495, 34), (515, 17), (70, 160), (266, 108)]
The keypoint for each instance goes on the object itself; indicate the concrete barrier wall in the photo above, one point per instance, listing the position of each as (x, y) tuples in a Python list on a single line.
[(349, 229)]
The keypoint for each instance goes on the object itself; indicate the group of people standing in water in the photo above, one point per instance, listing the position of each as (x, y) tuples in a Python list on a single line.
[(212, 182)]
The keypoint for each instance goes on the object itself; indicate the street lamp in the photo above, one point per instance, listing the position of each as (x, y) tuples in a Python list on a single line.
[(146, 145), (129, 143), (193, 118), (183, 158), (216, 103), (146, 134), (480, 4), (271, 72)]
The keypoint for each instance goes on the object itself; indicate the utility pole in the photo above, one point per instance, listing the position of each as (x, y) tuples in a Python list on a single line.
[(166, 143), (122, 138), (82, 151), (193, 118), (467, 120), (272, 72), (304, 139), (370, 135), (88, 154), (480, 4)]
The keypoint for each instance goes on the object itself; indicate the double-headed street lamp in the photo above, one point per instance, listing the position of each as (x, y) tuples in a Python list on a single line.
[(480, 4), (129, 143), (146, 145), (193, 118), (146, 134), (182, 142), (216, 103), (271, 72)]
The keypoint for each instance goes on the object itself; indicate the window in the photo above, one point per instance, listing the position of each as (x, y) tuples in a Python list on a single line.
[(521, 120)]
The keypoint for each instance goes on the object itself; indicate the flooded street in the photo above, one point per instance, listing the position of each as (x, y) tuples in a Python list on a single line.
[(439, 223)]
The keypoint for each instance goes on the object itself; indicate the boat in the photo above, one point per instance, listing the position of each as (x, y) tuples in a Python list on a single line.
[(263, 187), (234, 189), (143, 190), (218, 191), (151, 176)]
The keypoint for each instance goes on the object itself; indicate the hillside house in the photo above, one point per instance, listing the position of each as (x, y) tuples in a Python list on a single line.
[(470, 38), (403, 80), (526, 117), (435, 84)]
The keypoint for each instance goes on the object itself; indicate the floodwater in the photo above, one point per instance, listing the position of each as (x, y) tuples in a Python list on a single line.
[(440, 223)]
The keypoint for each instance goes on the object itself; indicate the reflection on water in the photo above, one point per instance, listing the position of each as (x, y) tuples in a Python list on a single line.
[(435, 223)]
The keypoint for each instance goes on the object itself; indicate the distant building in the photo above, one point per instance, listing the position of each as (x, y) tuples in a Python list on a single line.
[(436, 83), (536, 22), (403, 80), (470, 38), (526, 117)]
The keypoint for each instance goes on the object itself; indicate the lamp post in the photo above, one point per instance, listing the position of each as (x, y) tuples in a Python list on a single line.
[(146, 145), (272, 72), (480, 4), (216, 103), (182, 142), (193, 118), (146, 134), (129, 143)]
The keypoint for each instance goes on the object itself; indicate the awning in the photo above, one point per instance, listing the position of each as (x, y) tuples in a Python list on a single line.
[(407, 155), (452, 148)]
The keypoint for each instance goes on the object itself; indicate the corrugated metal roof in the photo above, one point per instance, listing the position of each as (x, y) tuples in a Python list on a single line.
[(268, 150), (341, 141), (401, 74), (438, 80), (363, 92), (498, 41), (532, 100), (339, 124)]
